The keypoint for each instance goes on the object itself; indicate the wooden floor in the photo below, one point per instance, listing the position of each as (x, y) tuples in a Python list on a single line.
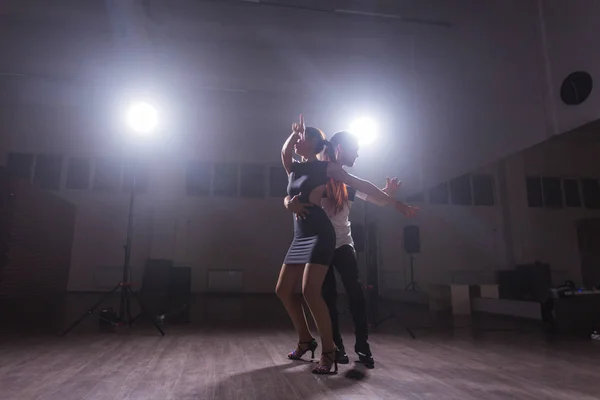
[(234, 361)]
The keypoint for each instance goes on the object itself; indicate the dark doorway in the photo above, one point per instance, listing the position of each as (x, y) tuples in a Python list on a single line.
[(588, 234)]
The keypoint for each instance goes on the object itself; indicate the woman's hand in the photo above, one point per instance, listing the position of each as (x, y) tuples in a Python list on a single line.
[(287, 151), (298, 129)]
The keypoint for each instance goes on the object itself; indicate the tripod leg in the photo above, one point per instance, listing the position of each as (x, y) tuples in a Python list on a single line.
[(392, 314), (128, 308), (381, 321), (91, 310), (143, 311)]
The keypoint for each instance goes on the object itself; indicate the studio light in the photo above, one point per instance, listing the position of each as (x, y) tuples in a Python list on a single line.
[(142, 118), (365, 129)]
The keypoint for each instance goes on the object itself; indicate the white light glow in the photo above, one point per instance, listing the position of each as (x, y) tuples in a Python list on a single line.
[(142, 118), (365, 129)]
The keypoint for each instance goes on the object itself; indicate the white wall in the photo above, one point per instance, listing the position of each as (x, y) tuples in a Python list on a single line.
[(204, 234), (459, 243), (449, 96), (201, 232), (467, 244), (454, 85), (550, 235)]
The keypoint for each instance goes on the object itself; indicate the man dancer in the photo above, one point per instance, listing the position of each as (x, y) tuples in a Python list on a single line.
[(344, 260)]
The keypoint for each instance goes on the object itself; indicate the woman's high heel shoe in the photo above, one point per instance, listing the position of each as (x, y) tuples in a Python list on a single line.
[(299, 352), (326, 369)]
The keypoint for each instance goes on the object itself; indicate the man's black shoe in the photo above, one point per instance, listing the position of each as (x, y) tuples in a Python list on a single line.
[(341, 356), (364, 354)]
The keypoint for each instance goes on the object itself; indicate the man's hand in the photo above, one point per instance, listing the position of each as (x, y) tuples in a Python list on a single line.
[(406, 210), (299, 209), (391, 186)]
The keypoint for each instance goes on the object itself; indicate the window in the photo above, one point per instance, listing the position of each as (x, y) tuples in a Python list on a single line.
[(571, 189), (198, 178), (278, 182), (226, 180), (141, 177), (252, 180), (552, 193), (78, 174), (483, 190), (48, 171), (591, 193), (439, 194), (460, 191), (107, 175), (534, 192), (19, 165)]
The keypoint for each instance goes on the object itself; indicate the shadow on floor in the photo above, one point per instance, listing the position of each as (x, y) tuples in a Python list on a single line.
[(293, 381)]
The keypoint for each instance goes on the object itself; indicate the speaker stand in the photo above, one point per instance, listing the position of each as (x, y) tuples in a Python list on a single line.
[(391, 314), (412, 285), (374, 300)]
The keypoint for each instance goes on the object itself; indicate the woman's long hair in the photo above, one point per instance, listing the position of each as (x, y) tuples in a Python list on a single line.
[(336, 190)]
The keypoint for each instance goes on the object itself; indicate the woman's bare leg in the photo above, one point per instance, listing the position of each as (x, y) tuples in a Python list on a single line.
[(312, 283), (289, 277)]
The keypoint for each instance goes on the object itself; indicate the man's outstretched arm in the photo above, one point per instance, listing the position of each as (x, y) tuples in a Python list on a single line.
[(391, 188)]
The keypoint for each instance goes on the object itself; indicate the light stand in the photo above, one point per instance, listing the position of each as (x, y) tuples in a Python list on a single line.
[(412, 285), (124, 316), (373, 297)]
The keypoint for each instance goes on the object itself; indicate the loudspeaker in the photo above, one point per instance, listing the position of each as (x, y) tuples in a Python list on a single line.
[(412, 240), (536, 281), (155, 286), (166, 290), (529, 282), (180, 289), (509, 284)]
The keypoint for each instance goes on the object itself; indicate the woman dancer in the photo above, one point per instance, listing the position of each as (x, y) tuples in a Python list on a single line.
[(344, 151), (312, 249)]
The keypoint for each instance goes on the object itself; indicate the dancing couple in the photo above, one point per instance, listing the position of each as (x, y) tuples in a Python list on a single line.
[(319, 193)]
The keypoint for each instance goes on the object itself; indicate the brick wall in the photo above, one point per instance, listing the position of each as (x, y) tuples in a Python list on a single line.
[(36, 235)]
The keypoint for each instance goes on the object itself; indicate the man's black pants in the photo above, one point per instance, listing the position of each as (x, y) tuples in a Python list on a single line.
[(344, 260)]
